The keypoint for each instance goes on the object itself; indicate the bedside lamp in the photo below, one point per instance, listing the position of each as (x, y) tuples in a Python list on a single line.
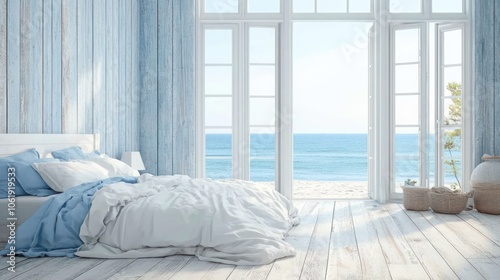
[(134, 160)]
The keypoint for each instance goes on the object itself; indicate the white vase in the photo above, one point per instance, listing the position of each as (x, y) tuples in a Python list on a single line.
[(485, 182), (488, 171)]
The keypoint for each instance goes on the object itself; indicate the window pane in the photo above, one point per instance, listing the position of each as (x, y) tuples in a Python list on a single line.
[(218, 80), (218, 46), (262, 154), (263, 6), (452, 47), (407, 45), (405, 6), (452, 77), (218, 162), (452, 111), (262, 80), (262, 45), (262, 111), (406, 110), (221, 6), (303, 6), (407, 163), (332, 6), (406, 169), (218, 111), (407, 78), (359, 6), (406, 142), (447, 6)]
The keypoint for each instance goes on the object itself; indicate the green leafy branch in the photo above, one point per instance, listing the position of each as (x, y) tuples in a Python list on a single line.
[(450, 137)]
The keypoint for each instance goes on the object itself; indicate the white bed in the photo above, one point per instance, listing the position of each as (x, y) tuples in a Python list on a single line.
[(44, 143)]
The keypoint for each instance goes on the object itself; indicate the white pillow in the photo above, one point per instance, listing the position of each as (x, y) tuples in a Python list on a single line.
[(61, 176), (115, 168)]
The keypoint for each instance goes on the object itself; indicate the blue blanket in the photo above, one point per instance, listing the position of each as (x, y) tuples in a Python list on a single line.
[(54, 229)]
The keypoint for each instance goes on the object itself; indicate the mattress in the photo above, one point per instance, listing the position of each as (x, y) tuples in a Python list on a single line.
[(25, 207)]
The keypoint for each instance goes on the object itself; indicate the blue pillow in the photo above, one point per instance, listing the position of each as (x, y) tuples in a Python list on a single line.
[(29, 179), (27, 157), (74, 153)]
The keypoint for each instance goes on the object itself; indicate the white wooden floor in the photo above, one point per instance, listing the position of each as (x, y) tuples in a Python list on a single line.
[(336, 240)]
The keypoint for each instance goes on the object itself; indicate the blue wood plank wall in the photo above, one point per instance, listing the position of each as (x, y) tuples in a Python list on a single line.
[(167, 67), (487, 78), (71, 66)]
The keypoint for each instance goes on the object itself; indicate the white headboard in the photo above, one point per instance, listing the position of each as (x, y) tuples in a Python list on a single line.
[(45, 143)]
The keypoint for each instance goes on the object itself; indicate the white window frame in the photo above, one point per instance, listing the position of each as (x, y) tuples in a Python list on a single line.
[(466, 136), (422, 104), (380, 129)]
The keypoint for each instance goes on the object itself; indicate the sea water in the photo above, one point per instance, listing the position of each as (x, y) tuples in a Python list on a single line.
[(319, 157)]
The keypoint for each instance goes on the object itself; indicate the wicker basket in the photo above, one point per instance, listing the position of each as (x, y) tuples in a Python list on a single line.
[(443, 200), (415, 198), (487, 197)]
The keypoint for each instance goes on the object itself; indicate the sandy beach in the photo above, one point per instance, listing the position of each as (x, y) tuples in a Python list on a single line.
[(327, 190)]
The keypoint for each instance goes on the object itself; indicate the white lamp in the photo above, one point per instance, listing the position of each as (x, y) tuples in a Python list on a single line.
[(134, 160)]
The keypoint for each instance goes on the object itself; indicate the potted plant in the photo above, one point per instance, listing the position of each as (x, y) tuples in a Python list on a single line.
[(410, 182)]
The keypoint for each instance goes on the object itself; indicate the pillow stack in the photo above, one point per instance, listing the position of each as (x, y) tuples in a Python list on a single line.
[(69, 168), (77, 167), (30, 183)]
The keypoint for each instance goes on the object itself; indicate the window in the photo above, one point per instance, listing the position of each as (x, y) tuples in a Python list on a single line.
[(239, 100), (409, 104), (416, 60), (449, 102)]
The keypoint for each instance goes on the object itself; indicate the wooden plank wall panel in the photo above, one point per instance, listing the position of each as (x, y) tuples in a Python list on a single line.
[(99, 68), (183, 89), (127, 101), (487, 82), (496, 77), (167, 55), (68, 67), (167, 37), (13, 65), (56, 67), (165, 86), (85, 67), (30, 93), (3, 66), (47, 67), (121, 113), (108, 143), (148, 49), (114, 131), (135, 76)]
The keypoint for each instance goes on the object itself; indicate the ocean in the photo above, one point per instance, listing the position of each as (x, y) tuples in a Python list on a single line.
[(317, 157)]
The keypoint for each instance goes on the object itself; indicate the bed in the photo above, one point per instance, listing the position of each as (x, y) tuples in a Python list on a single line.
[(45, 143), (128, 215)]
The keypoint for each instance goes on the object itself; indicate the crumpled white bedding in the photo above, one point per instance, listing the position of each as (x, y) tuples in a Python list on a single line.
[(232, 222)]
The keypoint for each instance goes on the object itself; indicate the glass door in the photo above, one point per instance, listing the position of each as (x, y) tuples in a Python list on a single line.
[(449, 101), (408, 107)]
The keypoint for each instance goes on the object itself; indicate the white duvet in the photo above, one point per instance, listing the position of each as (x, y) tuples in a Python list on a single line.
[(232, 222)]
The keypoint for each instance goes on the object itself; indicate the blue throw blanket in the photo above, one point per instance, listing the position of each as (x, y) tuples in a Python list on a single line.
[(54, 229)]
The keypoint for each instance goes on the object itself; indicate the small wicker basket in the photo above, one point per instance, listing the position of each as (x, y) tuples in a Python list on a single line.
[(443, 200), (487, 197), (415, 198)]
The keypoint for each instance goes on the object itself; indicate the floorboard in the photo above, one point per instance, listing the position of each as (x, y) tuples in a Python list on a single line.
[(335, 240)]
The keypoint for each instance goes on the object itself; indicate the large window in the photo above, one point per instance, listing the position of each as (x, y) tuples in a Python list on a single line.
[(413, 85)]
